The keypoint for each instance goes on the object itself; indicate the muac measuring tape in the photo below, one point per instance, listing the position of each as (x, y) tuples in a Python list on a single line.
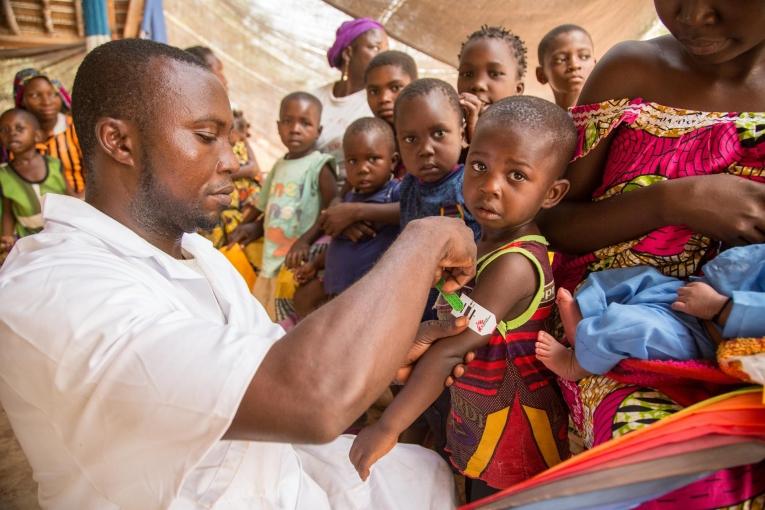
[(480, 320)]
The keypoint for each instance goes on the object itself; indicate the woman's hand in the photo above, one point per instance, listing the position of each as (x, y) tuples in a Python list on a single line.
[(722, 206), (298, 254)]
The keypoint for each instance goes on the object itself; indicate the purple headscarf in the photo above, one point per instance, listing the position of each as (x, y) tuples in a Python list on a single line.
[(346, 34)]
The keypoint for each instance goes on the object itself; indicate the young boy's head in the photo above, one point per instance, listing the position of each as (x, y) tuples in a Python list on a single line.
[(19, 130), (385, 77), (566, 59), (299, 123), (370, 154), (517, 158), (429, 128), (492, 64)]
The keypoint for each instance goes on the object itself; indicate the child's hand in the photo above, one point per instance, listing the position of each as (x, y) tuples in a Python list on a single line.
[(297, 254), (304, 273), (358, 231), (700, 300), (472, 106), (369, 446), (243, 234), (337, 218), (6, 243)]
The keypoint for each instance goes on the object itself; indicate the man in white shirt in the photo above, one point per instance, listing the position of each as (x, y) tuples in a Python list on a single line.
[(137, 370)]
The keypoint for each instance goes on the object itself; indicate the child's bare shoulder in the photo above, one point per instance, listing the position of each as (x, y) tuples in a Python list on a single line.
[(513, 273), (627, 70)]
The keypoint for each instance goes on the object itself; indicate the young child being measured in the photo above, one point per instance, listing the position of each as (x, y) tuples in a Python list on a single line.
[(508, 420), (637, 312)]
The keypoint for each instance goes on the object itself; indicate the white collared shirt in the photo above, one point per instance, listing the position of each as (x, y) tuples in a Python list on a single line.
[(118, 380)]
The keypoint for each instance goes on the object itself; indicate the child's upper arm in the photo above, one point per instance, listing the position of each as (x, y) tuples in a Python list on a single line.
[(506, 288), (327, 185)]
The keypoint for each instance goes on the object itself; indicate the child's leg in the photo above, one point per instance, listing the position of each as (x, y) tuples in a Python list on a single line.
[(559, 359)]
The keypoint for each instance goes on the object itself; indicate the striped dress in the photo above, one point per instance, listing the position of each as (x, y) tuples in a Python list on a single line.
[(508, 420), (64, 145)]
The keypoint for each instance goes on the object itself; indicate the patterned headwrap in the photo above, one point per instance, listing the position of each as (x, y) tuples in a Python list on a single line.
[(25, 75), (346, 34)]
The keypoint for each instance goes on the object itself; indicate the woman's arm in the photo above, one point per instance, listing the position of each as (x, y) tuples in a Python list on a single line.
[(506, 288), (724, 207)]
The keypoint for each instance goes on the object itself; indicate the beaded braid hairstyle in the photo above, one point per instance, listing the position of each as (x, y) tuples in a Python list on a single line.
[(516, 44)]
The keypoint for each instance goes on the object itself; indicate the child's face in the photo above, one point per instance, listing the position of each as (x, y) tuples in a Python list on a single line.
[(568, 62), (714, 31), (42, 99), (17, 133), (383, 86), (429, 133), (510, 174), (299, 126), (489, 70), (369, 160)]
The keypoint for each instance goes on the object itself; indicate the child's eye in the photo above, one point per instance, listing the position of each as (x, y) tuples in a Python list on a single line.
[(351, 161), (439, 133), (372, 92), (517, 176), (373, 159), (559, 60), (305, 123), (478, 166), (585, 57), (409, 139), (495, 74), (466, 74), (395, 88)]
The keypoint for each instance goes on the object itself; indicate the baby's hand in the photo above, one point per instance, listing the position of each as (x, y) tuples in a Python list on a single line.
[(297, 255), (369, 446), (304, 273), (700, 300)]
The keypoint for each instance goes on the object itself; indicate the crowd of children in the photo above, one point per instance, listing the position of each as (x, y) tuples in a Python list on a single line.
[(500, 161)]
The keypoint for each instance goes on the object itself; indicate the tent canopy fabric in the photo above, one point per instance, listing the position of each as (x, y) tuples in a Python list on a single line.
[(272, 47)]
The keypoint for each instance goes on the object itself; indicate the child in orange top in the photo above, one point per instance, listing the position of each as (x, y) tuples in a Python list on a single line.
[(508, 421)]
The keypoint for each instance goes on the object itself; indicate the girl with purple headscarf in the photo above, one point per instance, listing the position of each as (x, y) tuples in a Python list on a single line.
[(356, 43)]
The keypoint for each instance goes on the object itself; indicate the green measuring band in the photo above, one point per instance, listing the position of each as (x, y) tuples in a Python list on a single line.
[(453, 299)]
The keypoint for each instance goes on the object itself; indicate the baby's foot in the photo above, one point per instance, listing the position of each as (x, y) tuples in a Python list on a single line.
[(570, 315), (558, 358)]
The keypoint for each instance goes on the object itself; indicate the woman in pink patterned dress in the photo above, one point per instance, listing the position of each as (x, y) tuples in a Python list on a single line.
[(670, 169)]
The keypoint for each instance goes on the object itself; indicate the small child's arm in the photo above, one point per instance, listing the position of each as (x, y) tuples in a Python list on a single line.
[(9, 222), (741, 315), (506, 288), (327, 190)]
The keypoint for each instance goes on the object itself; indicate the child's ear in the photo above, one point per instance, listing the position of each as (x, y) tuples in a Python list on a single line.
[(118, 139), (519, 88), (321, 128), (38, 136), (555, 193), (394, 159), (541, 77)]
